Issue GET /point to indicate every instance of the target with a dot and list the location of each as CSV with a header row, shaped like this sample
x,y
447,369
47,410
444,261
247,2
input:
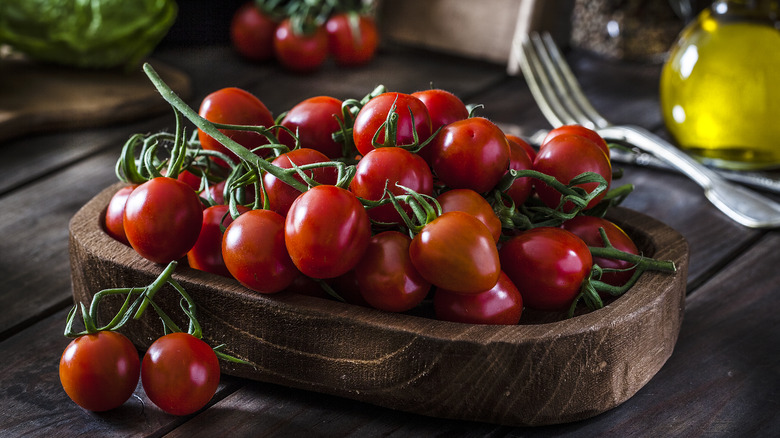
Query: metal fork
x,y
562,102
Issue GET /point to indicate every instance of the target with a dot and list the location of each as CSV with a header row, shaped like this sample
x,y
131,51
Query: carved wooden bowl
x,y
534,373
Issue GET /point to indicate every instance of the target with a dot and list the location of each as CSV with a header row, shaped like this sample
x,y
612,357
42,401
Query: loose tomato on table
x,y
386,276
326,231
234,106
300,50
352,38
314,120
456,251
386,167
115,214
99,371
548,265
280,194
206,254
374,114
252,32
162,219
470,154
501,304
471,202
180,373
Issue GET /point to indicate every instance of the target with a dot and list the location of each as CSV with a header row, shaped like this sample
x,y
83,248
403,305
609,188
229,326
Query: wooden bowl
x,y
534,373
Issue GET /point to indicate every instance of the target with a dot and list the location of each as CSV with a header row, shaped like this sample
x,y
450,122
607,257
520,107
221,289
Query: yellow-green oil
x,y
720,91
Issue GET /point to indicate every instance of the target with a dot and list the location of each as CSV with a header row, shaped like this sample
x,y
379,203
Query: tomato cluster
x,y
301,35
389,201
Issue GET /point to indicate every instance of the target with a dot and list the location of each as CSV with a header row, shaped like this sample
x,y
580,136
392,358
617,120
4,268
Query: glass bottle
x,y
720,86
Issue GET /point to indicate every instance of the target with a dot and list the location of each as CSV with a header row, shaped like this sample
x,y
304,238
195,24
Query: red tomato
x,y
578,130
587,229
502,304
300,52
388,166
315,120
352,38
326,231
180,373
471,202
281,195
115,214
100,371
234,106
190,179
374,114
252,33
548,266
255,253
443,107
519,159
346,286
470,154
565,157
456,252
524,144
162,219
206,255
386,277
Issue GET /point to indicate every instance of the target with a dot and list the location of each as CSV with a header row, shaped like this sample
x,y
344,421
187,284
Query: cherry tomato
x,y
581,131
386,277
388,166
234,106
115,214
470,154
252,33
565,157
180,373
190,179
300,52
456,251
471,202
206,254
352,38
255,253
548,266
374,114
162,219
100,371
443,107
326,231
524,144
346,286
587,229
502,304
315,120
280,195
519,159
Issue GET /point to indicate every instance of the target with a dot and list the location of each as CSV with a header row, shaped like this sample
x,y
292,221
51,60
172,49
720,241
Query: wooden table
x,y
722,379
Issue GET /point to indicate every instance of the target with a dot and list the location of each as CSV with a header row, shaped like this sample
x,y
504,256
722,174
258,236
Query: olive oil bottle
x,y
720,86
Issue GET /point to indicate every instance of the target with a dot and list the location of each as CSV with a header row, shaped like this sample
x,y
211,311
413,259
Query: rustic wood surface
x,y
721,380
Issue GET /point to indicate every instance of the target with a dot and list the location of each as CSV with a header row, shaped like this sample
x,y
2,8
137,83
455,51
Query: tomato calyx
x,y
390,130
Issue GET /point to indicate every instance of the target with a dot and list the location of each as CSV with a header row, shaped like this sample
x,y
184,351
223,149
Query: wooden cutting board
x,y
38,97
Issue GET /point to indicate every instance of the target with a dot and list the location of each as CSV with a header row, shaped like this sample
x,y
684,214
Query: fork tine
x,y
575,96
538,82
556,87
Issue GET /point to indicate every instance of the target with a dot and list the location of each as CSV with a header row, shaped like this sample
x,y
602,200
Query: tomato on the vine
x,y
234,106
501,304
326,231
115,214
471,202
352,38
99,371
386,277
280,194
300,51
180,373
523,144
162,219
587,229
548,265
252,32
386,167
565,157
314,120
206,254
456,251
519,159
374,114
582,132
470,154
443,107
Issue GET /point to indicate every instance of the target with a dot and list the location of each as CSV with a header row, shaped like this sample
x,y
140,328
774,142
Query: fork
x,y
562,102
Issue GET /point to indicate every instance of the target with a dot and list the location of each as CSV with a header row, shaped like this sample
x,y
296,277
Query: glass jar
x,y
720,86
